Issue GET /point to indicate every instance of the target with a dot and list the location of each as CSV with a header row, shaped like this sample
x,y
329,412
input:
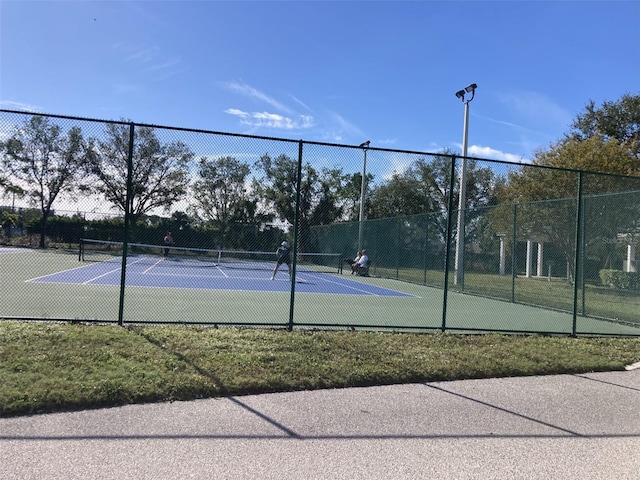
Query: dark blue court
x,y
164,273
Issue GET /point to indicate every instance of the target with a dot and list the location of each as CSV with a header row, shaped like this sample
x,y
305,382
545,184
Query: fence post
x,y
577,253
127,221
400,243
447,249
296,235
514,263
426,247
583,239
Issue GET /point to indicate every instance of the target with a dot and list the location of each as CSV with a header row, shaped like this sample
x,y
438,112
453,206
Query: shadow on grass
x,y
222,390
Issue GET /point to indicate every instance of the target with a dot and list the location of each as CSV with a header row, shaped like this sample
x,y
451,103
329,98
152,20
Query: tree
x,y
619,120
220,192
159,171
8,221
350,195
333,197
401,195
180,221
279,189
425,188
42,163
548,196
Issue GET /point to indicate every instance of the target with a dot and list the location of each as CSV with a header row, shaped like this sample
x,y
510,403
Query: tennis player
x,y
168,241
283,255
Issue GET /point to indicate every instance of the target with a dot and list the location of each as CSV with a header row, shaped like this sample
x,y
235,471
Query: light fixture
x,y
468,89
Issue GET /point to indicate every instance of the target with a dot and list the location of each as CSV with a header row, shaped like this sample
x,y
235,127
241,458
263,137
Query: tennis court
x,y
53,284
205,272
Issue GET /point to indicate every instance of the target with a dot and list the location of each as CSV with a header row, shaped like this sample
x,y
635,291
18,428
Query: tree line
x,y
42,162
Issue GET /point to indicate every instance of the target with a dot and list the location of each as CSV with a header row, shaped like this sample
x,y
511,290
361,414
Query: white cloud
x,y
236,112
168,65
272,120
493,154
520,128
301,103
151,59
537,107
248,91
334,126
24,107
345,126
141,54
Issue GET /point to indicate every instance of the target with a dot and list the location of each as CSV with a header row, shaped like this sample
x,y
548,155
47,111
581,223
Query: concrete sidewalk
x,y
564,427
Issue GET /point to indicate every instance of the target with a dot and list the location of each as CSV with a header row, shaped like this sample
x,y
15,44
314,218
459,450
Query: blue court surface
x,y
168,273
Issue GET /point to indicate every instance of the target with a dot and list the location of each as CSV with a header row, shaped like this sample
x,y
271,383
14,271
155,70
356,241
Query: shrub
x,y
620,280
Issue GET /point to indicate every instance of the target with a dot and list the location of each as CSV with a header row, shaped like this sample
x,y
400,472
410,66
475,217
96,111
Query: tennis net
x,y
189,257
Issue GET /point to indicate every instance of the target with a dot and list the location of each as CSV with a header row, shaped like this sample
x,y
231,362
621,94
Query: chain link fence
x,y
87,205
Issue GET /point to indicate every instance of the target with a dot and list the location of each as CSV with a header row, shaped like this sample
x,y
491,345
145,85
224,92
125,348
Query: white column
x,y
631,257
529,258
503,256
540,259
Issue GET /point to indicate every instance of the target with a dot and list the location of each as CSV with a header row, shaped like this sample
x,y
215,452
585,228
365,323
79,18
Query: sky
x,y
328,71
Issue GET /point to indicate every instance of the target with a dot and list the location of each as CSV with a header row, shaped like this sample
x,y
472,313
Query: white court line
x,y
214,277
299,279
100,276
146,271
267,277
222,271
107,273
351,288
345,286
189,275
360,290
64,271
152,266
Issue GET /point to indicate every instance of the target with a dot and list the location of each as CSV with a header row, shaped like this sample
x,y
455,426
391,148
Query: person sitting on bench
x,y
354,262
362,265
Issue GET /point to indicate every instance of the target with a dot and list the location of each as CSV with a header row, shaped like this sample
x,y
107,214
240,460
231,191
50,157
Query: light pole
x,y
363,189
462,200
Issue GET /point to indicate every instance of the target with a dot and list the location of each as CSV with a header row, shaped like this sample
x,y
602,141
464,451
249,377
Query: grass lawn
x,y
49,366
554,293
